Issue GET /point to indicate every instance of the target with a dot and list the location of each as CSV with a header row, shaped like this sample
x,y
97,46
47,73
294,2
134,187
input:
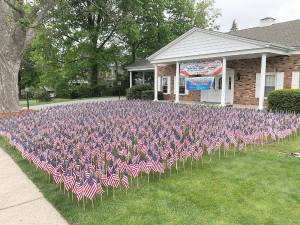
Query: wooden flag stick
x,y
202,161
77,202
107,190
148,178
83,203
137,182
92,203
113,193
219,153
72,196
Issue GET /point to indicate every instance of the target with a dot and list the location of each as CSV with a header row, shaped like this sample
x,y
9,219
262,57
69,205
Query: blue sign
x,y
199,83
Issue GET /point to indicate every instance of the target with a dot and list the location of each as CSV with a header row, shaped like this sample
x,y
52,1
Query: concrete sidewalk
x,y
103,99
21,203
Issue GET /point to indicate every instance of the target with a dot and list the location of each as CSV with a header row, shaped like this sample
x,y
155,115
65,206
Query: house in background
x,y
141,72
254,62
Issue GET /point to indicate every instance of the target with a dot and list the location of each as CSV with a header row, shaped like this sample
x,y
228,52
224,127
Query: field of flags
x,y
90,148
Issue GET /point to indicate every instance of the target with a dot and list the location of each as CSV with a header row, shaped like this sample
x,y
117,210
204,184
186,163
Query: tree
x,y
234,26
18,21
151,24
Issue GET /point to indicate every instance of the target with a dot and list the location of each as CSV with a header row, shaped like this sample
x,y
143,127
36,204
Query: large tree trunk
x,y
12,39
9,83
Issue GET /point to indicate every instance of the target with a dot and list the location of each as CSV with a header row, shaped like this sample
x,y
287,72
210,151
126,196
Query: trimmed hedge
x,y
287,100
136,91
144,92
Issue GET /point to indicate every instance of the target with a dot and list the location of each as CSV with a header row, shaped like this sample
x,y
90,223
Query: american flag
x,y
95,145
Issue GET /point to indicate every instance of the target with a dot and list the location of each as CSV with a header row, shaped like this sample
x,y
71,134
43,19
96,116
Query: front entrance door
x,y
214,95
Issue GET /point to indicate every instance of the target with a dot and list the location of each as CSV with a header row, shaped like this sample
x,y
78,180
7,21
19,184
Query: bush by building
x,y
287,100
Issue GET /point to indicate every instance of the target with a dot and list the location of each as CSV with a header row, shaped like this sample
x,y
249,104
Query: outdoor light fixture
x,y
27,90
119,88
238,76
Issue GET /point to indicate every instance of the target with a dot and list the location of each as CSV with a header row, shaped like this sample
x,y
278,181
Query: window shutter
x,y
159,83
257,85
279,80
169,85
295,80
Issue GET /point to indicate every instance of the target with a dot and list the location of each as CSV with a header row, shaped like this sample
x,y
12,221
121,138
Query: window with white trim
x,y
182,90
270,84
165,85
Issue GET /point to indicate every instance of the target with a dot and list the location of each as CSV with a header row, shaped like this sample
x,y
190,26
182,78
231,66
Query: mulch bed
x,y
14,114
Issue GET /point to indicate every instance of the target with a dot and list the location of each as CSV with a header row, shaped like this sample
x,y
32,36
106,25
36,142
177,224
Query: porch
x,y
231,51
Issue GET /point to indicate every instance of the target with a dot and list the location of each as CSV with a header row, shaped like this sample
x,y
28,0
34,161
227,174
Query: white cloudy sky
x,y
248,12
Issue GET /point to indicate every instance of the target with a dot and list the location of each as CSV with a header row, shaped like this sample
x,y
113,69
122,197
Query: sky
x,y
248,12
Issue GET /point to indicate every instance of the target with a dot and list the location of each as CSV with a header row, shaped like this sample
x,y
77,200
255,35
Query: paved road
x,y
21,203
37,107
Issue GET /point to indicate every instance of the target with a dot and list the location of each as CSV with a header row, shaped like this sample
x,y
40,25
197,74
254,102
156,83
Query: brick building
x,y
255,61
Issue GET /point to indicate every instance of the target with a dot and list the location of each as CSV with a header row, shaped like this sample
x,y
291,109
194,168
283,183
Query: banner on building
x,y
199,83
212,68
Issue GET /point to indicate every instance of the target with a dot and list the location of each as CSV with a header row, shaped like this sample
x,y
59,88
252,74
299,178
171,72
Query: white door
x,y
214,95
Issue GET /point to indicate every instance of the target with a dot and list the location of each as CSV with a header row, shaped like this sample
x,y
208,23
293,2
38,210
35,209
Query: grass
x,y
261,186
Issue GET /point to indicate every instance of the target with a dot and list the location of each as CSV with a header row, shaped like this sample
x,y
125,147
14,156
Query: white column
x,y
143,77
262,82
223,94
177,80
130,79
155,83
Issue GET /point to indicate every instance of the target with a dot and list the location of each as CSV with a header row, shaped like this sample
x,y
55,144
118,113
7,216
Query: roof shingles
x,y
286,33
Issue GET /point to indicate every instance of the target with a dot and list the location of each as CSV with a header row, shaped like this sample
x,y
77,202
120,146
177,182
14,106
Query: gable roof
x,y
140,64
285,33
201,43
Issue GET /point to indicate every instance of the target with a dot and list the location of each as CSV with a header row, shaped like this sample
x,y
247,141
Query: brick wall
x,y
170,70
244,89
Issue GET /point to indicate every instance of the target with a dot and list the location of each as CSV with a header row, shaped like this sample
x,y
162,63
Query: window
x,y
270,84
220,83
229,83
182,85
165,85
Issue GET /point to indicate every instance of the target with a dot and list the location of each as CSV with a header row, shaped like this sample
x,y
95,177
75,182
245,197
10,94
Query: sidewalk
x,y
37,107
21,203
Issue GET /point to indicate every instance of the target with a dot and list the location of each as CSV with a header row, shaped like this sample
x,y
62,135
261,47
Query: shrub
x,y
147,95
42,95
287,100
136,91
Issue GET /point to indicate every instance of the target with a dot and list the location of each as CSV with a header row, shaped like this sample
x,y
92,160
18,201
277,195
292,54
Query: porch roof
x,y
140,65
203,44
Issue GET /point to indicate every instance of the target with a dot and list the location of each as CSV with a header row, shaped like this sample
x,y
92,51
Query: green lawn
x,y
33,102
261,186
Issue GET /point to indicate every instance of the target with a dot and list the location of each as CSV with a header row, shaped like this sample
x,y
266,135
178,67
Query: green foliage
x,y
136,91
149,95
41,95
96,34
287,100
234,26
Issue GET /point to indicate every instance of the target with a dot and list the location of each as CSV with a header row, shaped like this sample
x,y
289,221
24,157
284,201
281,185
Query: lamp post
x,y
27,89
119,88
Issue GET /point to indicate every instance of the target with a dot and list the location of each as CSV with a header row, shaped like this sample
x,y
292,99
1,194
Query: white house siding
x,y
200,43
